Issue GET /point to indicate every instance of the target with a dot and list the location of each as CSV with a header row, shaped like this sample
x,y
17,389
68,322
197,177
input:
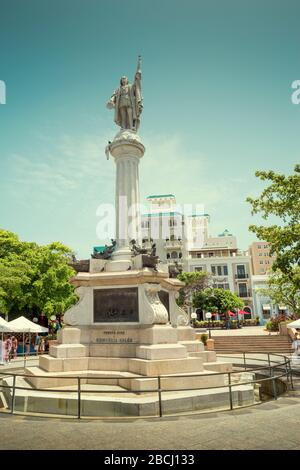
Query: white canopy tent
x,y
23,325
294,324
5,326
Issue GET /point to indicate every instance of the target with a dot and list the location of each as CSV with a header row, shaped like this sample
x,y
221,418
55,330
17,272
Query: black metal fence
x,y
270,368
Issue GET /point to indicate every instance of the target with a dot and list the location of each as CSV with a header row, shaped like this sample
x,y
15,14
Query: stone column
x,y
127,150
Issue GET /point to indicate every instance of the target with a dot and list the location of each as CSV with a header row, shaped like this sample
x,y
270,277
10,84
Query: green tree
x,y
284,289
217,300
14,280
194,282
280,199
34,278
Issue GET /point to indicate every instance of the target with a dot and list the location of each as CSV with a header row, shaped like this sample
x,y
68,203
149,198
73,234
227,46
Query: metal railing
x,y
271,371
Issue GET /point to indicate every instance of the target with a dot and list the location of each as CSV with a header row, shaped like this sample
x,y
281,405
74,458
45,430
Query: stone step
x,y
161,367
191,381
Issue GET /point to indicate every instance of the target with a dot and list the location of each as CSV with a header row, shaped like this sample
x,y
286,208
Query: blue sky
x,y
217,106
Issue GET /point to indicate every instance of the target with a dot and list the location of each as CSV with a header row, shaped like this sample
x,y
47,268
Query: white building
x,y
186,240
163,225
230,267
262,305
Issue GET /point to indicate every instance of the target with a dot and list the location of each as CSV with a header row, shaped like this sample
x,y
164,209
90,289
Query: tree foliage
x,y
34,278
194,282
284,289
280,199
216,300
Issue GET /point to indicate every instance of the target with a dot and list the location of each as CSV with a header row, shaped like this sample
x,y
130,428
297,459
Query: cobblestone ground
x,y
271,425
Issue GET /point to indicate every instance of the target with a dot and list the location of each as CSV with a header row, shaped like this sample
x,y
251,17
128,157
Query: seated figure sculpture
x,y
107,252
149,260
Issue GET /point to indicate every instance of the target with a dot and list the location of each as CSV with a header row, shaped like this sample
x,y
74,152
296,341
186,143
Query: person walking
x,y
37,344
27,346
296,347
42,346
7,348
1,350
14,347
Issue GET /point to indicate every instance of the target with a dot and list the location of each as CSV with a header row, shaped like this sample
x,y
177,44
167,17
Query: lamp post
x,y
208,317
193,318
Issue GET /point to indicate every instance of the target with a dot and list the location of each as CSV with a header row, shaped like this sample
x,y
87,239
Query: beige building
x,y
261,261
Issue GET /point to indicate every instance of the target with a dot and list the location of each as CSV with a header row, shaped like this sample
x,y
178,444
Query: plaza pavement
x,y
271,425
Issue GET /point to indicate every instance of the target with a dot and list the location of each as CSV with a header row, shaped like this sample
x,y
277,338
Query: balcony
x,y
172,261
241,276
173,245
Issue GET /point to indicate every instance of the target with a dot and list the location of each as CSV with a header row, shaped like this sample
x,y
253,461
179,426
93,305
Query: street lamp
x,y
208,317
194,317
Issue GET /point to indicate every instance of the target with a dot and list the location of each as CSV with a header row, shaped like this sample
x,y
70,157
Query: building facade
x,y
185,241
261,260
229,266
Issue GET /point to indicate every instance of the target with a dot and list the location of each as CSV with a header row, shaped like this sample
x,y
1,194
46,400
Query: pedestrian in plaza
x,y
1,350
7,348
37,343
27,345
46,345
296,353
42,346
296,344
14,347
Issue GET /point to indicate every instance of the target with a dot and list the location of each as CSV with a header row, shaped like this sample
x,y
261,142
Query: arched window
x,y
248,316
174,255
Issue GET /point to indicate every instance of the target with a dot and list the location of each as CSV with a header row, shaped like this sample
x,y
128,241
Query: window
x,y
261,262
219,270
243,290
145,224
172,223
259,254
259,247
223,286
198,268
240,269
174,255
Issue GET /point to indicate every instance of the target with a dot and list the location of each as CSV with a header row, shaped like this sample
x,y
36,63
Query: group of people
x,y
9,346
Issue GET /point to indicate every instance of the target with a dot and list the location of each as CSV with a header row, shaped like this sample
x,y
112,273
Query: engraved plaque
x,y
116,305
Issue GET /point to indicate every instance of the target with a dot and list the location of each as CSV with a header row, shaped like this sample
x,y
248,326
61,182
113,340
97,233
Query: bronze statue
x,y
107,252
149,259
136,249
175,270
